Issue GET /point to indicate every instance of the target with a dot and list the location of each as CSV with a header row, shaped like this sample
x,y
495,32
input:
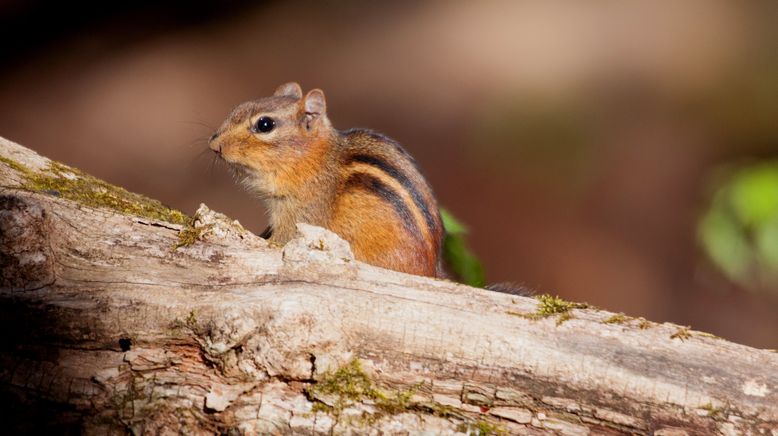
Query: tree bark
x,y
119,315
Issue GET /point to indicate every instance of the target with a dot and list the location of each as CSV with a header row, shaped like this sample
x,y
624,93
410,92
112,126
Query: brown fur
x,y
359,184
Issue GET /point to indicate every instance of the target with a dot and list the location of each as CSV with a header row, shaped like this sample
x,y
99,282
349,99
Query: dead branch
x,y
122,315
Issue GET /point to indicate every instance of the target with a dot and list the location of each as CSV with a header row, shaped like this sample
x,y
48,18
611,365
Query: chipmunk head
x,y
278,141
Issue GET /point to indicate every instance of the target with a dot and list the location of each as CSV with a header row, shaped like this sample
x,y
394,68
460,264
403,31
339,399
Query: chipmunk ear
x,y
315,107
315,104
291,89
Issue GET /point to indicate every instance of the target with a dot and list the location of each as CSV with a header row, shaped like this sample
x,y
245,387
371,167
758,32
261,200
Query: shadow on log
x,y
120,315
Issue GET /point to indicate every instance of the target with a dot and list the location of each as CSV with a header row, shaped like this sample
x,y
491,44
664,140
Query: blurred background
x,y
619,153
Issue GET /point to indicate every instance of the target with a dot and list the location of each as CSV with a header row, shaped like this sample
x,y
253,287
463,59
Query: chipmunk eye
x,y
265,124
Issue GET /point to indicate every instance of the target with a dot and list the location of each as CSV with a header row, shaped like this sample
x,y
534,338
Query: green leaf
x,y
766,239
740,230
460,260
726,244
755,194
452,225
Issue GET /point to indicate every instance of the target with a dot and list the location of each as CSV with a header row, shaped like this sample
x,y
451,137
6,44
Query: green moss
x,y
189,234
72,184
15,165
683,333
644,323
349,385
480,428
321,407
549,306
191,319
395,402
563,317
618,318
345,387
441,411
713,411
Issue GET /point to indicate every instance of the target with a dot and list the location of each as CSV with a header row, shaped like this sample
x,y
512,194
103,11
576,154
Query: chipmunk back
x,y
360,184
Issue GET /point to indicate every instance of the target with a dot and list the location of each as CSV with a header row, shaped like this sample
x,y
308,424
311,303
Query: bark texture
x,y
119,315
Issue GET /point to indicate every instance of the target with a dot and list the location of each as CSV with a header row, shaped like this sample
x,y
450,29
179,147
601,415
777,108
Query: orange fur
x,y
376,239
362,168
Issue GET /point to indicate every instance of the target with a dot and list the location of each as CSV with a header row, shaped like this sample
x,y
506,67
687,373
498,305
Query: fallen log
x,y
121,315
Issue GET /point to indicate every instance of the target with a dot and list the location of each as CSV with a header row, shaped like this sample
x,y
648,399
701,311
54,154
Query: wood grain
x,y
109,329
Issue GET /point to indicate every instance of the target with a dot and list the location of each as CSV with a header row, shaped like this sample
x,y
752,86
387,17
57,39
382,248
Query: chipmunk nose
x,y
213,144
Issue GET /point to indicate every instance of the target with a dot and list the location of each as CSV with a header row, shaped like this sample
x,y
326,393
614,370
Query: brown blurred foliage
x,y
577,140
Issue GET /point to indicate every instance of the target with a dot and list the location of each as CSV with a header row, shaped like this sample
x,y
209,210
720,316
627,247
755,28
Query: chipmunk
x,y
357,183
